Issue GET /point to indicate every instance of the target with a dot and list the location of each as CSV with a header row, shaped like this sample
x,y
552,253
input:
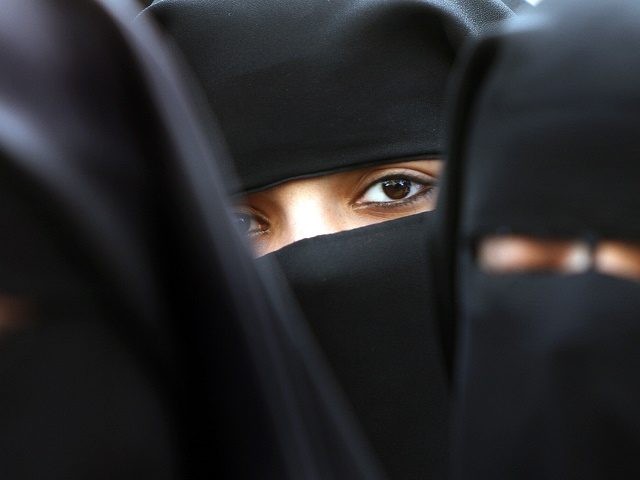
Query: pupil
x,y
396,189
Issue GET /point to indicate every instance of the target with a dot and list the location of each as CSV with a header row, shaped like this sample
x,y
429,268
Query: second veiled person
x,y
542,209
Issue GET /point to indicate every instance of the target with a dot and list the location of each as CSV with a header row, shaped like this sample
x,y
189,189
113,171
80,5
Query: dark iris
x,y
243,220
396,189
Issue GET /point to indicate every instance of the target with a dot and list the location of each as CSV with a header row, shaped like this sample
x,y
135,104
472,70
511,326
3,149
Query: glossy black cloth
x,y
545,144
367,295
307,87
152,347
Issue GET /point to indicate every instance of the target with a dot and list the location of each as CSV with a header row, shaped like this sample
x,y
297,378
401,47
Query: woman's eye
x,y
247,223
392,189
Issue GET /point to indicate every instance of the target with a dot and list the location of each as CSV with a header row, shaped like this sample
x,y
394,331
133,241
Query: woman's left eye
x,y
392,190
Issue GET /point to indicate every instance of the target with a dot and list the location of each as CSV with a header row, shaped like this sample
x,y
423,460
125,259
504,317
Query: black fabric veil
x,y
153,347
545,144
367,296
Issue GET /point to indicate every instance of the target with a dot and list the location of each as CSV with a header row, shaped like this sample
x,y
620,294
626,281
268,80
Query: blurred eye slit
x,y
502,254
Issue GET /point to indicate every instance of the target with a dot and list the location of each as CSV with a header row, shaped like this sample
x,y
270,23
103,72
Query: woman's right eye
x,y
248,223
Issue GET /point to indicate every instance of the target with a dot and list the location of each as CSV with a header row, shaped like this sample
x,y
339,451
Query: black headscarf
x,y
545,143
307,87
152,347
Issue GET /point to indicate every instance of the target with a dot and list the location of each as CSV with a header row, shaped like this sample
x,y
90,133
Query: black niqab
x,y
367,295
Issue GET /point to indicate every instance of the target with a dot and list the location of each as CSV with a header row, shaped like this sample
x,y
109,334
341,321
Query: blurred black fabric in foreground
x,y
139,341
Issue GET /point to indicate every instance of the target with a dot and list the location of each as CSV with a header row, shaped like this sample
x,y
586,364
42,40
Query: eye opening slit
x,y
520,253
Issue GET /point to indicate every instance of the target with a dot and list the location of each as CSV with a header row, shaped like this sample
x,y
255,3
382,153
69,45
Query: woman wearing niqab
x,y
137,338
306,89
541,213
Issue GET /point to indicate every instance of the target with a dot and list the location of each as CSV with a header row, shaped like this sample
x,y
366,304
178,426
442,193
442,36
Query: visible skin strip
x,y
298,209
